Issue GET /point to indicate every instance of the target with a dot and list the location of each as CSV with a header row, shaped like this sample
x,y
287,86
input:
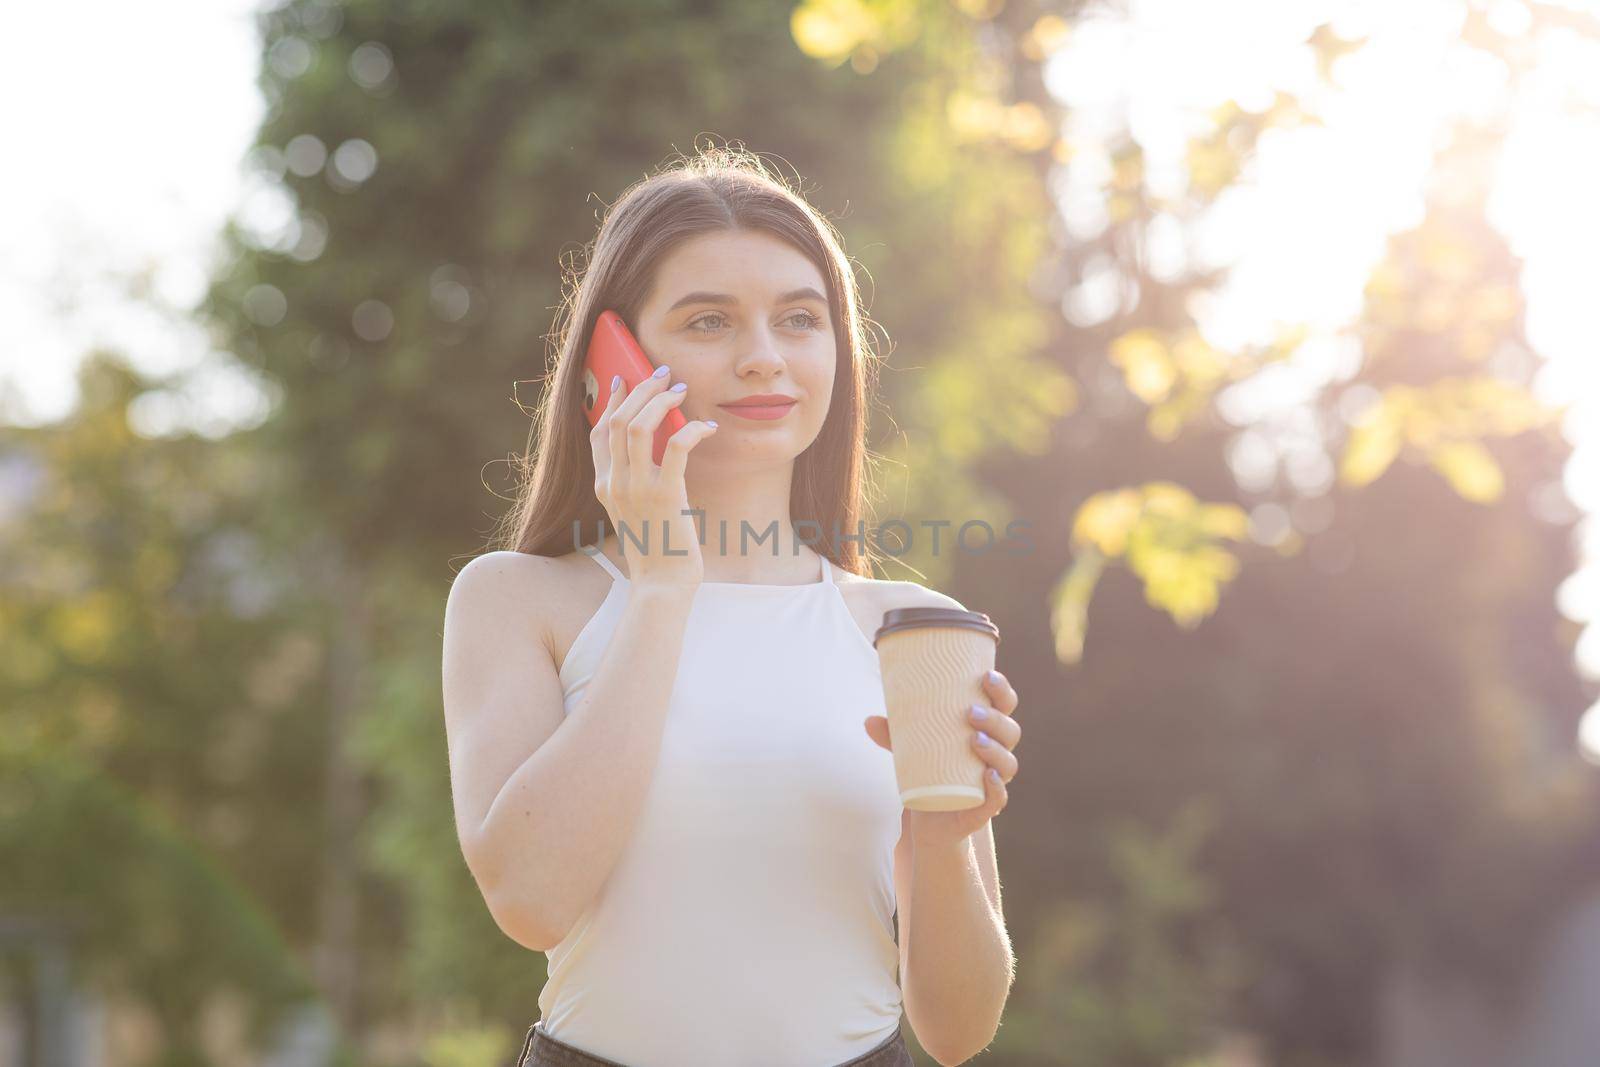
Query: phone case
x,y
613,351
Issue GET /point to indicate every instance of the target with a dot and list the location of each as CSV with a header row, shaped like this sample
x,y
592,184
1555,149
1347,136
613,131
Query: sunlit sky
x,y
135,119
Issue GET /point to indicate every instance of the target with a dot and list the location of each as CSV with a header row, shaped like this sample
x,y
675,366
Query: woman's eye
x,y
713,321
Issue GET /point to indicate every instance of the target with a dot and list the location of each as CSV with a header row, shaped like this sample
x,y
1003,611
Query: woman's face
x,y
738,313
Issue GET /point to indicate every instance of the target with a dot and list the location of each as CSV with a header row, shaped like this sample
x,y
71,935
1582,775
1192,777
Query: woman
x,y
656,749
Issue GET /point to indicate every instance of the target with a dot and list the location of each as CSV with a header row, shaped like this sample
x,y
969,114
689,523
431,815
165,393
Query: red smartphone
x,y
613,351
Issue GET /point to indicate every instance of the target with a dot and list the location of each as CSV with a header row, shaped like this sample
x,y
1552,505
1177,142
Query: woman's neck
x,y
746,531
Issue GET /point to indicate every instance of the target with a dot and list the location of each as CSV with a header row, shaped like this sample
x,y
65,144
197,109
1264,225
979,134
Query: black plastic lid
x,y
916,618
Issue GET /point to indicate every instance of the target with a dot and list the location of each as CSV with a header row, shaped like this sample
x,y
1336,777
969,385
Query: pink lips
x,y
761,412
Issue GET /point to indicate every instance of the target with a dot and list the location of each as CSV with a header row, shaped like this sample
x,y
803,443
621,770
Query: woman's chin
x,y
761,448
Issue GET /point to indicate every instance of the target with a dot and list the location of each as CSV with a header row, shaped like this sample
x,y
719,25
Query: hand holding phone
x,y
655,509
613,351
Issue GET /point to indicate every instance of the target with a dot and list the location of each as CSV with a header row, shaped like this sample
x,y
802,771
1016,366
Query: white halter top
x,y
750,919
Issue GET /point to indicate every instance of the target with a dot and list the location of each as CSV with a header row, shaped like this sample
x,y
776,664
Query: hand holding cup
x,y
993,737
949,722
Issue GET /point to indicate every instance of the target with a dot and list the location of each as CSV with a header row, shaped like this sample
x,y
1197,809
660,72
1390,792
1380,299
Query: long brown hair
x,y
720,188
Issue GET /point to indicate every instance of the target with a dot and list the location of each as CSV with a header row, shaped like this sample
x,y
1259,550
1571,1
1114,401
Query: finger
x,y
641,394
617,438
877,727
600,434
994,799
995,792
642,433
995,755
999,687
1003,728
641,430
675,458
637,397
614,398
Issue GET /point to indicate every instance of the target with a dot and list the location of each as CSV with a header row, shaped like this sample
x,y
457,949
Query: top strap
x,y
827,569
594,552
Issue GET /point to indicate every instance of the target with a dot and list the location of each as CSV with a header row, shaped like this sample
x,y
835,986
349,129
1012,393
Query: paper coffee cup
x,y
933,661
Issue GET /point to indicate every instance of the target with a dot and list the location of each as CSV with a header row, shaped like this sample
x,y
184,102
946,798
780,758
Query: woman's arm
x,y
959,965
544,801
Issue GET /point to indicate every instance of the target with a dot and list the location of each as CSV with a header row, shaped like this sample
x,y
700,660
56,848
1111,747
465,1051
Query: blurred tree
x,y
1387,711
152,728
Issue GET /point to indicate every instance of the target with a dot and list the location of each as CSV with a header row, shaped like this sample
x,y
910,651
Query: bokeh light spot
x,y
290,57
265,305
305,154
372,320
354,161
371,65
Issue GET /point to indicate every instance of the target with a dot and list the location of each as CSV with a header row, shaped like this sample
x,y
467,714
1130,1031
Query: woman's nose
x,y
761,353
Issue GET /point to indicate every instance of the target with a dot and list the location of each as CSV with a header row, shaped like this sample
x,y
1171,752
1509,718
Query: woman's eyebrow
x,y
728,300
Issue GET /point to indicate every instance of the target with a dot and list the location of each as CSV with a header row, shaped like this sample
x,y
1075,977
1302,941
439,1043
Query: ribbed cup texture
x,y
931,677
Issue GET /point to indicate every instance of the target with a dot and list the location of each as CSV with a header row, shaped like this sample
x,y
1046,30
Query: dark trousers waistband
x,y
539,1049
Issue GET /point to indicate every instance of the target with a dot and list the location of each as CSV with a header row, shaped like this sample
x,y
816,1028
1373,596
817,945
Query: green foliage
x,y
1170,541
1142,977
455,956
153,733
141,904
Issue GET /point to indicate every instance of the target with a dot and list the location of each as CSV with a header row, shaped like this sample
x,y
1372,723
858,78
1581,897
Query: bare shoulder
x,y
912,595
887,594
505,591
502,565
548,597
869,598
